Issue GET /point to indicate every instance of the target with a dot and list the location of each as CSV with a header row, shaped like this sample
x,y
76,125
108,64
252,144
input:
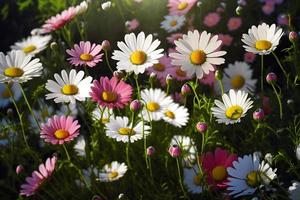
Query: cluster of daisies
x,y
195,56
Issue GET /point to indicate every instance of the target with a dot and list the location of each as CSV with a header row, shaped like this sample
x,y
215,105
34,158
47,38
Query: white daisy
x,y
16,66
69,88
263,39
5,95
233,108
238,76
112,172
294,191
156,101
137,53
196,54
247,174
121,130
176,115
188,148
172,22
192,179
103,115
80,146
33,44
82,7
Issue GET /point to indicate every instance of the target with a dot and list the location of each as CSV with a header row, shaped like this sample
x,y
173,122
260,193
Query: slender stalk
x,y
137,86
221,86
279,100
262,73
180,178
280,65
128,143
29,107
195,93
68,156
150,169
145,141
107,61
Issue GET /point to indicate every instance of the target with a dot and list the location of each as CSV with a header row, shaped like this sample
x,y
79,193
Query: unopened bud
x,y
201,127
271,77
105,45
150,151
174,151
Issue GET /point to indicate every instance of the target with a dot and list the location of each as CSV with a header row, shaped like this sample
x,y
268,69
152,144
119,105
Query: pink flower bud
x,y
201,127
150,151
174,151
118,74
259,114
19,169
293,36
105,45
271,77
169,78
185,90
135,105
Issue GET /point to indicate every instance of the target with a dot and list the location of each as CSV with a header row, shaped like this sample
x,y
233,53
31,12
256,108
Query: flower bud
x,y
259,114
201,127
271,77
174,151
218,75
239,10
185,90
150,151
105,45
19,169
106,5
152,75
135,105
293,36
169,78
53,45
268,158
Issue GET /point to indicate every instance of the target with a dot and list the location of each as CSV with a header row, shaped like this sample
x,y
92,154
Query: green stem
x,y
68,156
180,178
120,11
107,61
128,143
29,107
262,74
279,100
221,86
137,86
280,65
150,170
195,93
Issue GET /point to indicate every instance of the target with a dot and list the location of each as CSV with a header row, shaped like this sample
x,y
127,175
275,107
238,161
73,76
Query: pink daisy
x,y
211,19
111,93
178,74
132,25
209,79
60,129
59,20
226,39
215,165
249,57
162,68
173,37
38,177
180,7
85,54
234,23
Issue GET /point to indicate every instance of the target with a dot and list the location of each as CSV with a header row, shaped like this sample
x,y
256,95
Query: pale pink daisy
x,y
226,39
173,37
60,129
180,7
59,20
85,54
111,93
268,8
211,19
179,74
38,177
249,57
132,25
162,68
234,23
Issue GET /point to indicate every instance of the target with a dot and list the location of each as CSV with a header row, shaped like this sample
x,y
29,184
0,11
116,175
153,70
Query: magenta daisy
x,y
38,177
180,7
60,129
59,20
162,68
85,54
111,93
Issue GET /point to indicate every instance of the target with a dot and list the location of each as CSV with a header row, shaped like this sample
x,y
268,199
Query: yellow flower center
x,y
253,179
198,57
170,114
86,57
109,97
69,89
126,131
13,72
263,45
219,173
237,82
234,112
173,23
180,73
152,106
29,49
138,57
197,179
182,5
159,67
112,175
61,134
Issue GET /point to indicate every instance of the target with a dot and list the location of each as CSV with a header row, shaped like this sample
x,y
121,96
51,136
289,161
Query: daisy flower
x,y
82,7
233,108
188,148
248,174
111,93
80,146
155,101
239,77
137,53
69,88
60,129
180,7
215,165
59,20
112,172
294,190
263,39
196,54
179,74
16,66
192,179
38,177
5,95
162,68
85,53
172,23
173,37
122,130
103,115
33,44
176,115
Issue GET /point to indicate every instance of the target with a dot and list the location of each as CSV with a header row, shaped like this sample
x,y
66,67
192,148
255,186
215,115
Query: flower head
x,y
112,172
180,7
172,23
33,44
